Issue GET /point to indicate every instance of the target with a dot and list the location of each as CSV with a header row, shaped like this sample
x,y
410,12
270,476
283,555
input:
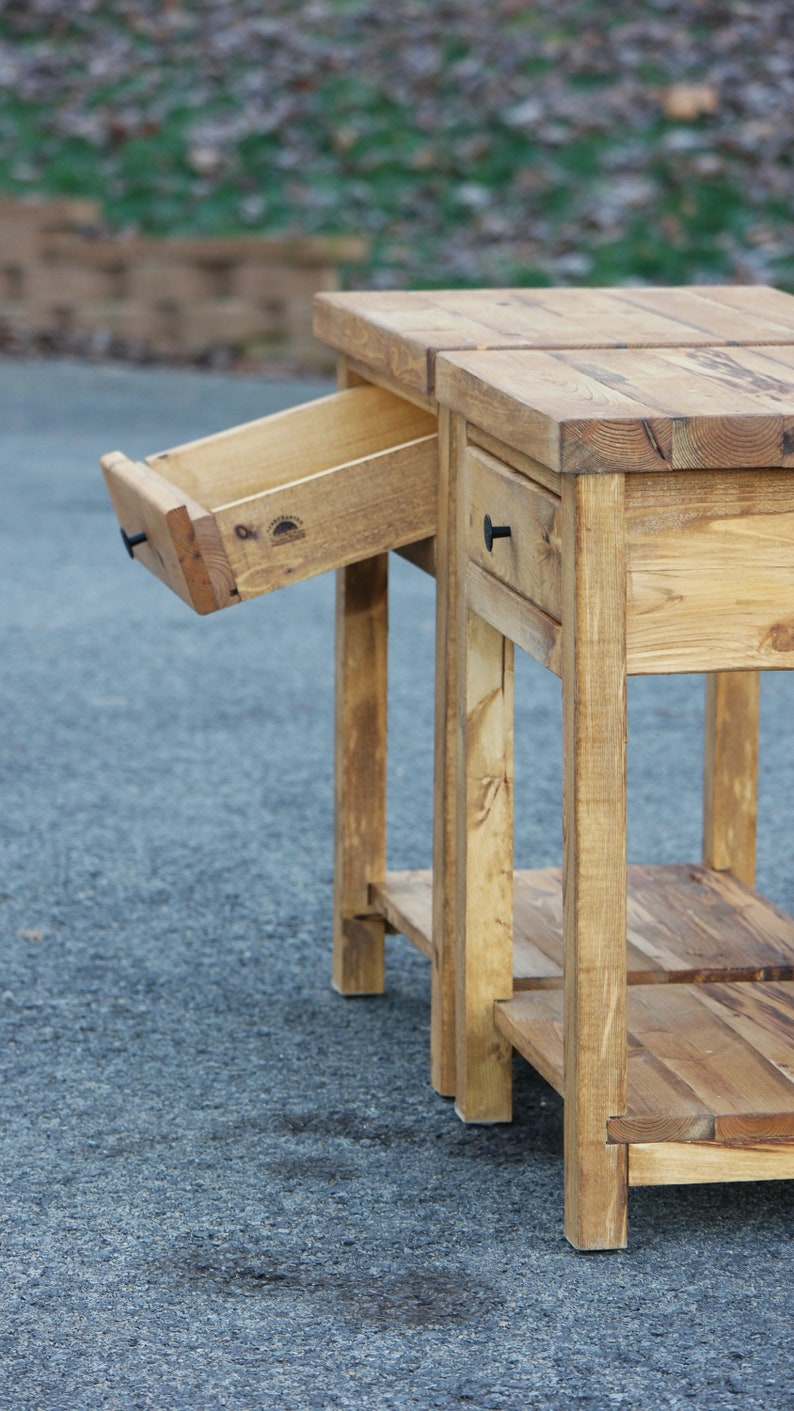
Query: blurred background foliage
x,y
562,141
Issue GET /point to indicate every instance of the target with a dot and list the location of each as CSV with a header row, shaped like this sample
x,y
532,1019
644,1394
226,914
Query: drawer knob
x,y
131,541
494,531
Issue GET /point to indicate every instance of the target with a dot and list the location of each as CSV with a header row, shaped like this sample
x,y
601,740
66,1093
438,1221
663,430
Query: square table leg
x,y
484,907
360,774
451,440
730,779
594,857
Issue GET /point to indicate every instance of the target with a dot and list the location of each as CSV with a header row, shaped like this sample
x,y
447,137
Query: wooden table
x,y
381,466
649,501
396,341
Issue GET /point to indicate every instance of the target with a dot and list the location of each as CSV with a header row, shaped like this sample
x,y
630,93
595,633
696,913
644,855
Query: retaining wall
x,y
166,297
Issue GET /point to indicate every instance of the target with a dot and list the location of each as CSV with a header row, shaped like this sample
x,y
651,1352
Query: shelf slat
x,y
686,924
707,1063
406,901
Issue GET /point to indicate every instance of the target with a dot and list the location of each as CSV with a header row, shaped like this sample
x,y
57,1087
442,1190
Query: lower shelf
x,y
687,924
706,1063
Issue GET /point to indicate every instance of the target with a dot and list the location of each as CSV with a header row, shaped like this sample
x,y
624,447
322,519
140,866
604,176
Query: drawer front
x,y
529,560
178,541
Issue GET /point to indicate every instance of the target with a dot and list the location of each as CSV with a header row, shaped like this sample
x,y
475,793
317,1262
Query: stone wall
x,y
169,297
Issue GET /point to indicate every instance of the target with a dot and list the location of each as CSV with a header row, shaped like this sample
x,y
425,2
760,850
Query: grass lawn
x,y
515,143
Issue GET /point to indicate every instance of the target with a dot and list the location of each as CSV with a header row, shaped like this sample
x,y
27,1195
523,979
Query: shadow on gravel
x,y
411,1297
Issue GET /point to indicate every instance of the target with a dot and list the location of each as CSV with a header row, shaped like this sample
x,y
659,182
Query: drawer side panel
x,y
329,520
710,561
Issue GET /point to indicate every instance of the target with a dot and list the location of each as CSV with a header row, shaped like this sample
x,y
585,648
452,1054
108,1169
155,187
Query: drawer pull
x,y
131,541
494,531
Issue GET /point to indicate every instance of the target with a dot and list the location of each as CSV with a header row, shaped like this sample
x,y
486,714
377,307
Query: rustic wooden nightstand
x,y
646,506
337,484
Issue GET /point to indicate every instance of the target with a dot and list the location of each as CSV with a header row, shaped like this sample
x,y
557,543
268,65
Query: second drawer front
x,y
529,560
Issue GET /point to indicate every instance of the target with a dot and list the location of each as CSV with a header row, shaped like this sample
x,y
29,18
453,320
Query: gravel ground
x,y
225,1185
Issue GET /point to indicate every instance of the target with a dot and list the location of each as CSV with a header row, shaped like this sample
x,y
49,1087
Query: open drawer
x,y
280,499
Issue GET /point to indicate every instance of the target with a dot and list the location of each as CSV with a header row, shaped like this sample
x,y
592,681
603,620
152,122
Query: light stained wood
x,y
376,377
525,465
761,1015
725,1047
526,625
594,852
401,333
360,773
484,872
422,554
529,559
706,1063
331,519
710,571
406,901
694,1163
276,450
730,783
183,547
661,409
554,413
686,925
323,485
445,755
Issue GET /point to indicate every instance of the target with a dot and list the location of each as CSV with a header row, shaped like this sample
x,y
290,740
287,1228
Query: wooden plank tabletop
x,y
656,409
400,333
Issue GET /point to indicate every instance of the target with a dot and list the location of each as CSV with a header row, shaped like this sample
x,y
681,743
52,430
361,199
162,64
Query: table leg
x,y
360,774
484,906
594,857
451,438
730,781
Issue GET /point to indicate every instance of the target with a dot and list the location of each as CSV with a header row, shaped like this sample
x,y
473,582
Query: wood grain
x,y
692,1163
656,410
360,742
594,852
730,776
445,756
484,872
553,412
333,518
405,899
706,1063
526,625
374,376
686,925
183,547
524,465
710,572
529,560
421,554
292,445
401,333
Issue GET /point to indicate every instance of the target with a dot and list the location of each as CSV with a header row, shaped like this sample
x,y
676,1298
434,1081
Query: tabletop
x,y
631,409
401,333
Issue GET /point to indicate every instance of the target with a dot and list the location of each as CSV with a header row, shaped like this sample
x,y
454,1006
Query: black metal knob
x,y
494,531
131,541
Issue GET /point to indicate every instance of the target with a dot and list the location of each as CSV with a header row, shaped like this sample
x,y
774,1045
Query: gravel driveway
x,y
225,1185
